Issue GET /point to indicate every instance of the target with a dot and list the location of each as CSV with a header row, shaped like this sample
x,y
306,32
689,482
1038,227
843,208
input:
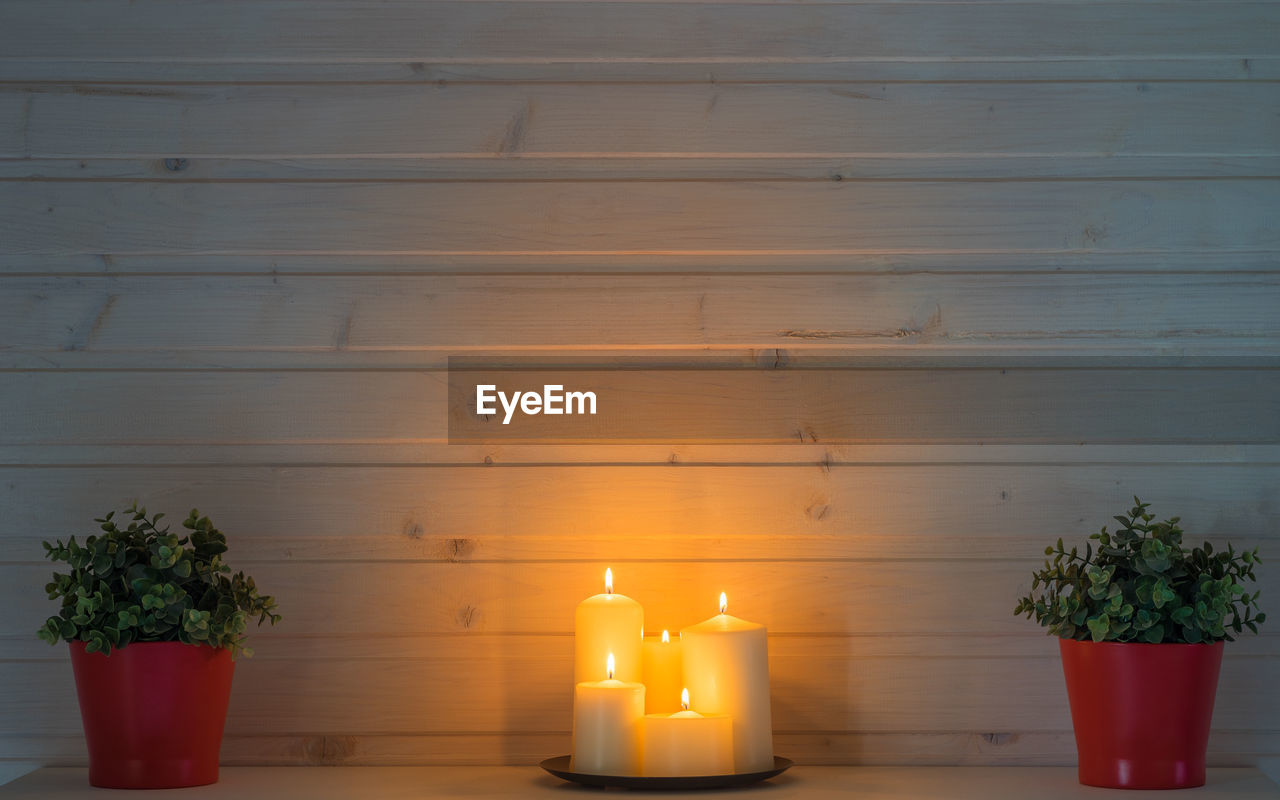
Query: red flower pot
x,y
153,713
1141,712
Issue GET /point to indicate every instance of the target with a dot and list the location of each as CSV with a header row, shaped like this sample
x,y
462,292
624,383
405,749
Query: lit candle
x,y
607,719
726,666
662,674
687,743
608,623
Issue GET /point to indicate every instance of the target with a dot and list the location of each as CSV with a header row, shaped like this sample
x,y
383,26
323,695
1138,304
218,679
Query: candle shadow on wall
x,y
532,690
536,704
806,698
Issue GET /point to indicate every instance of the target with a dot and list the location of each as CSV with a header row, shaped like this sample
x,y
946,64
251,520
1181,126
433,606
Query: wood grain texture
x,y
428,318
545,218
70,31
720,71
698,263
971,748
541,167
519,684
624,514
440,454
278,645
1080,122
831,597
1147,352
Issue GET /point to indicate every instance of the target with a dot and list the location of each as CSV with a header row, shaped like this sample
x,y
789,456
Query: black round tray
x,y
559,766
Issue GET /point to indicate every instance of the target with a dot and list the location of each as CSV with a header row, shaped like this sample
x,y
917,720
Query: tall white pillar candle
x,y
608,623
607,732
726,667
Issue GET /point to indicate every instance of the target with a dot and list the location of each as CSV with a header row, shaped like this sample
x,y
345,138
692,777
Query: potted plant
x,y
1141,624
153,621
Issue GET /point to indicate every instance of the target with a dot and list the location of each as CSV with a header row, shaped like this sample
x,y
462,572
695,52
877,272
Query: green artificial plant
x,y
141,583
1142,585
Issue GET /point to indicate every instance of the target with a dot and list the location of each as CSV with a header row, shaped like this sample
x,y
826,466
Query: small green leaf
x,y
1099,627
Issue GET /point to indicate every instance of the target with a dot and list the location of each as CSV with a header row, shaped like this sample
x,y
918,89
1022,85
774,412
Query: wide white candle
x,y
687,743
663,674
608,623
726,667
607,719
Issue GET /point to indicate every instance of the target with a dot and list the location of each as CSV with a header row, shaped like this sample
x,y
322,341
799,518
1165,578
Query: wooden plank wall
x,y
239,238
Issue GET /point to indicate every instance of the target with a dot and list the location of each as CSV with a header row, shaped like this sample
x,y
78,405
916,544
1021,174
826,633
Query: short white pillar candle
x,y
687,743
607,718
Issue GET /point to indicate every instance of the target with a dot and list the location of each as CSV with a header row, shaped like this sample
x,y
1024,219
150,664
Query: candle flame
x,y
684,699
666,637
608,670
724,603
608,581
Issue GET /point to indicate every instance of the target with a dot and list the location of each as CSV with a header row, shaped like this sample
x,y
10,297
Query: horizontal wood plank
x,y
881,747
590,217
825,456
277,644
608,127
523,685
640,167
73,31
720,513
427,318
700,263
1226,748
378,598
720,71
1149,352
